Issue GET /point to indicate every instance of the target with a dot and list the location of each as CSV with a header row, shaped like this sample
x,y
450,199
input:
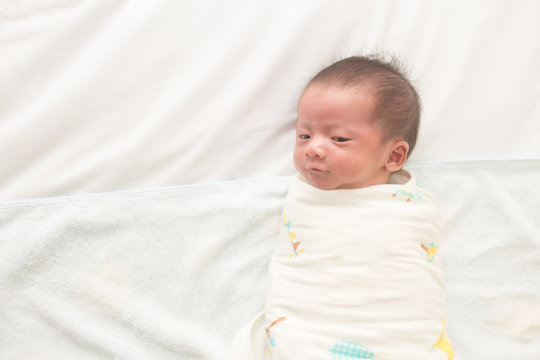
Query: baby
x,y
357,121
355,273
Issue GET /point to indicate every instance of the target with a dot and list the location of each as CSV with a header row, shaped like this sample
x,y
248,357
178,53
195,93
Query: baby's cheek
x,y
345,166
297,156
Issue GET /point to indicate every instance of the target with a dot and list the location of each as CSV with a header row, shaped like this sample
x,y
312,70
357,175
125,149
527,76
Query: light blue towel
x,y
157,274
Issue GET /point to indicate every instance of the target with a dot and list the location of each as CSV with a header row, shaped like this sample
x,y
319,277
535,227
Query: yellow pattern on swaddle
x,y
443,343
292,236
431,250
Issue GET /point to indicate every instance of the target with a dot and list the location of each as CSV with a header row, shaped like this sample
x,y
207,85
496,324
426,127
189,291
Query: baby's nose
x,y
316,148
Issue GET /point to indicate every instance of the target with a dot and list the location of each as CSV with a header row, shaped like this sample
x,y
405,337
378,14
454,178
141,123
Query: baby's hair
x,y
397,108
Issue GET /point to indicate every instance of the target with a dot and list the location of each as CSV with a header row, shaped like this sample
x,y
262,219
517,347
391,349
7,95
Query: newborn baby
x,y
355,273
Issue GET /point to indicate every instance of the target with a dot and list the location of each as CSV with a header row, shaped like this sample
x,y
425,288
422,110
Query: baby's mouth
x,y
315,169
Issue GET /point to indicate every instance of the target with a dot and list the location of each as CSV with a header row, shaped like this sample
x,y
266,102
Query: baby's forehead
x,y
355,93
318,96
356,87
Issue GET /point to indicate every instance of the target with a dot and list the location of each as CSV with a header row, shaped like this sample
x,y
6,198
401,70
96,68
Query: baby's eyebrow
x,y
338,126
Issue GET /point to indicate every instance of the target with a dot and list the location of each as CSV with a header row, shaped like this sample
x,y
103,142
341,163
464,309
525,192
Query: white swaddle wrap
x,y
355,275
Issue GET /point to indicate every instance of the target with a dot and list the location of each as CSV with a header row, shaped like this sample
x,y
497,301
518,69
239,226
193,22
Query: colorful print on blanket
x,y
349,350
443,343
407,195
270,339
431,250
292,236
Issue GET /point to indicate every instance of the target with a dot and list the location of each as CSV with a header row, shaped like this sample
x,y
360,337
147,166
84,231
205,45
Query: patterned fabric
x,y
356,275
348,350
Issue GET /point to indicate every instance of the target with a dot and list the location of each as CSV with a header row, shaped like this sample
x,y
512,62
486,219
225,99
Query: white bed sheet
x,y
114,95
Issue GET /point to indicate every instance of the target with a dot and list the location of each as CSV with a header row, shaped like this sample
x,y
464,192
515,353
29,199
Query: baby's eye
x,y
303,136
340,139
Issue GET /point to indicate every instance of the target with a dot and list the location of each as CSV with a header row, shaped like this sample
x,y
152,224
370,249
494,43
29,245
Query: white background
x,y
114,95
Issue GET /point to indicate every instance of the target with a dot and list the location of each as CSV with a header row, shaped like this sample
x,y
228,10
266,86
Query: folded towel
x,y
159,274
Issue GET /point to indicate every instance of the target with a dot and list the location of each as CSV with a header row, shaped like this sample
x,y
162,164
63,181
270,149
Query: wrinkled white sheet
x,y
122,94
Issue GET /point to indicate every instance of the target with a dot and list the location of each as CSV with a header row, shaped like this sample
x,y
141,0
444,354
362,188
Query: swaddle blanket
x,y
356,275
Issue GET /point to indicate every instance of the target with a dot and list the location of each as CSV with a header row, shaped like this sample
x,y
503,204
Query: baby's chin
x,y
324,186
320,180
327,181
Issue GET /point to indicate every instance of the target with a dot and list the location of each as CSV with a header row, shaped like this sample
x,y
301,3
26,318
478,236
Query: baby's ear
x,y
398,155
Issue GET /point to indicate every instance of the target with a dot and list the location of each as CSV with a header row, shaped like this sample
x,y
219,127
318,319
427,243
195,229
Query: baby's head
x,y
358,121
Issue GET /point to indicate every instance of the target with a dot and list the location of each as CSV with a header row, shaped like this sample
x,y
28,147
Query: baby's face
x,y
335,146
